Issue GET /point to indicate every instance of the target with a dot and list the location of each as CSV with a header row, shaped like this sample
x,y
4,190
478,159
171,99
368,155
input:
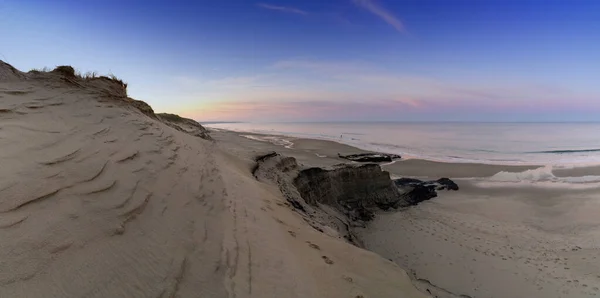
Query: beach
x,y
489,239
102,197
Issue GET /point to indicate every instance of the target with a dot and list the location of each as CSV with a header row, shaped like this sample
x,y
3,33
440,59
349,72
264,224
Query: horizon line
x,y
395,121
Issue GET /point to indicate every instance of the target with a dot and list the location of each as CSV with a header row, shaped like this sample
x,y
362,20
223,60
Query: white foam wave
x,y
540,177
273,140
539,174
542,184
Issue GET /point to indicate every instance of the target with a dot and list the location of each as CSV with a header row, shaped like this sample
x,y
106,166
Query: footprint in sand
x,y
312,245
327,260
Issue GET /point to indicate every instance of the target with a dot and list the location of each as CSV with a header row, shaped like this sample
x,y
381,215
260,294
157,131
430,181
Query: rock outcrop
x,y
343,196
281,171
416,191
370,157
350,187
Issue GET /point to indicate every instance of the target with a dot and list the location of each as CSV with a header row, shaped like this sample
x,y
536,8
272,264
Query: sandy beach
x,y
101,197
485,240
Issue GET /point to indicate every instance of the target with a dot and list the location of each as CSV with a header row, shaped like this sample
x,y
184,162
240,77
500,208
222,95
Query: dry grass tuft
x,y
171,117
89,75
116,79
40,70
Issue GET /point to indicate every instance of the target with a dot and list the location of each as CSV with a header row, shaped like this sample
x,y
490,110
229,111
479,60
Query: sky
x,y
318,60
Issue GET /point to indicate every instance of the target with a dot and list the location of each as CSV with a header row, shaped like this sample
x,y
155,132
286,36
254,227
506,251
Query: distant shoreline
x,y
407,122
491,144
423,167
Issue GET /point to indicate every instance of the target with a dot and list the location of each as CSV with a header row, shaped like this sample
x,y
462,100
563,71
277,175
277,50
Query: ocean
x,y
552,144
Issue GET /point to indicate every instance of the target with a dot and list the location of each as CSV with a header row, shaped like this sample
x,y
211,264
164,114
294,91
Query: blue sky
x,y
292,60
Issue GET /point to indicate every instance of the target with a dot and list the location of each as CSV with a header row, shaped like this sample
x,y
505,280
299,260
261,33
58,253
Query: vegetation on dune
x,y
171,117
70,72
116,89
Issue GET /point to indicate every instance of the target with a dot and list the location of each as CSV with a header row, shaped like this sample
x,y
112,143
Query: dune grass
x,y
171,117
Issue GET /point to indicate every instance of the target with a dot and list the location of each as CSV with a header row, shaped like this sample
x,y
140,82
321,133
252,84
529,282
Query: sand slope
x,y
97,199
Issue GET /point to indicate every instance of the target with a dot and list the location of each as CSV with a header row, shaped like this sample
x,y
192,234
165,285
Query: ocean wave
x,y
273,140
539,174
440,150
567,151
543,177
353,133
540,184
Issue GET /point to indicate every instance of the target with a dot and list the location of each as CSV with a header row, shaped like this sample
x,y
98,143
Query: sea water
x,y
489,143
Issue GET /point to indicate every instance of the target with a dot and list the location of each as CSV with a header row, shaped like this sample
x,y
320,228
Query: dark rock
x,y
344,196
297,205
408,181
447,184
362,214
265,156
415,191
370,157
349,187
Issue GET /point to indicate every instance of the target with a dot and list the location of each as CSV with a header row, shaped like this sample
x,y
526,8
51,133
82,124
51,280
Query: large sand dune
x,y
100,198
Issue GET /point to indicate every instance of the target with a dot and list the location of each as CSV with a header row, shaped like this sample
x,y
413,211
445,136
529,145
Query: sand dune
x,y
100,198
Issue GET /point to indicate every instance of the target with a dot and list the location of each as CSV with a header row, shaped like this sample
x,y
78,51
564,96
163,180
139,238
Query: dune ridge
x,y
101,197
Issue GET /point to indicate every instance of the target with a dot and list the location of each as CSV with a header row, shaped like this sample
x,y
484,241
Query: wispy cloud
x,y
304,89
322,66
282,8
381,12
300,109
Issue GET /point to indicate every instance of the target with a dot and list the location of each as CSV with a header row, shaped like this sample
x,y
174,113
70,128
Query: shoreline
x,y
541,240
416,167
116,198
406,156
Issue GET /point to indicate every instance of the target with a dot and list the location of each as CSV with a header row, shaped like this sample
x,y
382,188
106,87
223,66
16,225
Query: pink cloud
x,y
297,110
354,89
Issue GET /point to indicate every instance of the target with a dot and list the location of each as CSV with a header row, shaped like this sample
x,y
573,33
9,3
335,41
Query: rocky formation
x,y
335,220
350,187
416,191
343,196
184,124
370,157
